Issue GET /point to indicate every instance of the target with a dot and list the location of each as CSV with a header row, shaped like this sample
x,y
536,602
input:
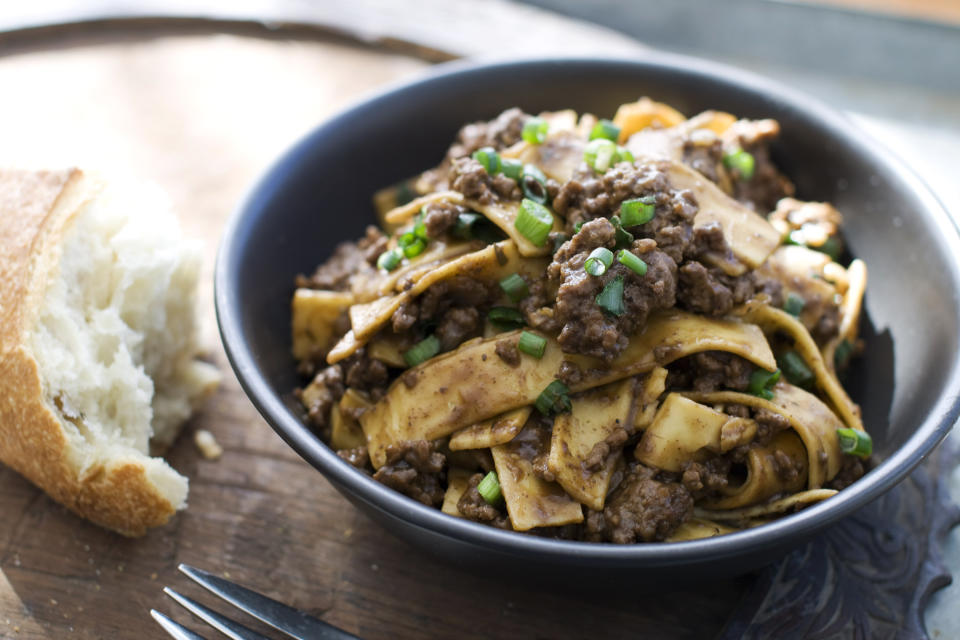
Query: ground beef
x,y
710,371
706,478
404,317
508,352
359,457
533,444
535,308
459,291
737,410
326,389
364,373
439,217
457,325
788,469
828,325
415,469
702,292
601,451
472,506
769,423
570,373
601,196
348,260
767,185
470,178
642,508
585,327
851,470
703,152
470,459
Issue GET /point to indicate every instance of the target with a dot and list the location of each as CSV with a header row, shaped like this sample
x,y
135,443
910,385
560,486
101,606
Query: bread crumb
x,y
207,444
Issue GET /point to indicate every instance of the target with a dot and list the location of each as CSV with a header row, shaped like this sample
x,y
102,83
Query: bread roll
x,y
98,344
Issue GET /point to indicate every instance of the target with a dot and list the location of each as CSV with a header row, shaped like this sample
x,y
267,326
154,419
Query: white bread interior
x,y
109,325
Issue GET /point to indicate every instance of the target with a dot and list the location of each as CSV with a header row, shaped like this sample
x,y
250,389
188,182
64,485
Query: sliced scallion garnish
x,y
740,161
611,298
422,351
463,226
489,159
600,154
535,130
622,237
512,168
605,129
795,370
489,488
638,211
389,259
632,262
624,154
855,442
420,227
534,221
598,261
762,379
534,184
506,317
515,287
532,344
415,248
794,304
831,247
553,399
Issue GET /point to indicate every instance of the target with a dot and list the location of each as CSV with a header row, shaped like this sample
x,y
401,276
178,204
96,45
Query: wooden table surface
x,y
203,114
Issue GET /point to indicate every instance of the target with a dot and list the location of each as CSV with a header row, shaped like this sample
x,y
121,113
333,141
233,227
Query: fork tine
x,y
226,626
175,629
292,622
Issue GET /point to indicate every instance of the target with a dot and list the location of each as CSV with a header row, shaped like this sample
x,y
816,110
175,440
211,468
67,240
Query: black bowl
x,y
318,193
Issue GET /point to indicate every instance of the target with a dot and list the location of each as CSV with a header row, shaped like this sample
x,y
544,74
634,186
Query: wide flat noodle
x,y
750,237
405,212
345,431
531,501
314,315
634,116
489,433
443,399
458,480
558,156
595,415
764,477
813,421
651,387
773,320
491,263
849,313
802,271
504,215
680,430
775,508
697,529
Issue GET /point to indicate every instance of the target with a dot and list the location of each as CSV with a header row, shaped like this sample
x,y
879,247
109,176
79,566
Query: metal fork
x,y
290,621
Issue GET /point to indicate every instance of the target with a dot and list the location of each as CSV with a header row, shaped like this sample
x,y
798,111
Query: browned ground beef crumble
x,y
415,468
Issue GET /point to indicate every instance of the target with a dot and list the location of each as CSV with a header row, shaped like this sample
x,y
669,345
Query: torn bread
x,y
98,344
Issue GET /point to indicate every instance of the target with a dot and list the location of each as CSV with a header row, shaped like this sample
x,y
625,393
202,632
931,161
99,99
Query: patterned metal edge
x,y
870,576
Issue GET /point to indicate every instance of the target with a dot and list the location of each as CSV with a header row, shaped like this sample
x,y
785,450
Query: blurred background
x,y
201,95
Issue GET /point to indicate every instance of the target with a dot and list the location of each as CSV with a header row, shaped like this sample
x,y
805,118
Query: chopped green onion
x,y
577,227
422,351
489,488
605,129
553,399
762,379
624,154
535,130
599,154
741,161
842,353
420,227
855,442
512,168
406,239
534,221
532,344
766,394
415,248
632,262
515,287
390,259
611,298
489,158
794,304
795,369
598,261
638,211
534,184
831,247
622,237
463,226
795,237
506,317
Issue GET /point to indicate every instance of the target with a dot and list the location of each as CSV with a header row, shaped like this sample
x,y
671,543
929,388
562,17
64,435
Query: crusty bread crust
x,y
36,209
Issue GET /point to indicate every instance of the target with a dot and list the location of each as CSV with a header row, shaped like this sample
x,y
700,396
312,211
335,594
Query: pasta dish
x,y
622,330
